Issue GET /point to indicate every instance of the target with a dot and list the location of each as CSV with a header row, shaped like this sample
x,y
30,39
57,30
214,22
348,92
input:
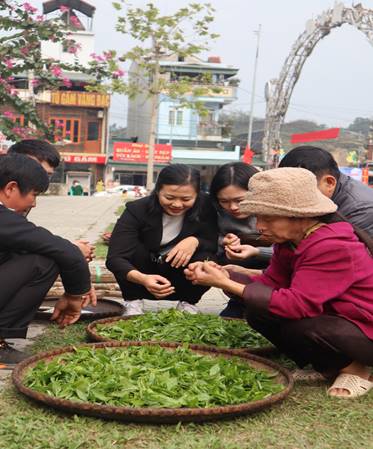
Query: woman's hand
x,y
243,270
207,273
231,239
158,286
241,252
182,252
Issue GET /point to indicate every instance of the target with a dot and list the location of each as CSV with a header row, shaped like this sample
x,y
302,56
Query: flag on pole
x,y
247,155
331,133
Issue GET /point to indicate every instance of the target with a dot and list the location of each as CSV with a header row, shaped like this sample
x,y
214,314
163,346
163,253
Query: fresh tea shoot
x,y
175,326
151,376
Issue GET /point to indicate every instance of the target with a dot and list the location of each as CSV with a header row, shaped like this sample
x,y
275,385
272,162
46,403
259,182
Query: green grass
x,y
101,247
308,419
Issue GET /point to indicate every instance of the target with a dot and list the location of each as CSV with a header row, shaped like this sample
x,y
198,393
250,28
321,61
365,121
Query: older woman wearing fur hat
x,y
315,300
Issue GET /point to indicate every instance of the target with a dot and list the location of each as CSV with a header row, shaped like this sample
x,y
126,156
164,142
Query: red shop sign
x,y
138,152
72,158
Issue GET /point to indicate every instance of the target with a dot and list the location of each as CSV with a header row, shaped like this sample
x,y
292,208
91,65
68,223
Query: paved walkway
x,y
87,217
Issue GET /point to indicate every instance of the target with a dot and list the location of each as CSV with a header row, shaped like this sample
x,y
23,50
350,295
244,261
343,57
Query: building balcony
x,y
212,132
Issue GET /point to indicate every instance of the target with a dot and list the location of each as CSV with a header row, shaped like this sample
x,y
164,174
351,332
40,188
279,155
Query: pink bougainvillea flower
x,y
118,73
108,55
66,82
23,133
75,21
9,63
25,50
35,83
29,8
56,71
73,48
9,114
64,8
39,18
97,58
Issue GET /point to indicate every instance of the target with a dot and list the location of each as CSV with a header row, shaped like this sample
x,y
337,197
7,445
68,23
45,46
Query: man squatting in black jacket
x,y
31,258
49,158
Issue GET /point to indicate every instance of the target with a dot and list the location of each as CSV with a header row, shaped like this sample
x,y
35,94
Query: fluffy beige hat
x,y
286,192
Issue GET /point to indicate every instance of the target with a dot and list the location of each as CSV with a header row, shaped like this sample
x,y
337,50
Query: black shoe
x,y
10,356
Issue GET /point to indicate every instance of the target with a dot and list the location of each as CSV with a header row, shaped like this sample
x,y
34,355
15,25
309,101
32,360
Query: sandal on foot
x,y
355,386
307,376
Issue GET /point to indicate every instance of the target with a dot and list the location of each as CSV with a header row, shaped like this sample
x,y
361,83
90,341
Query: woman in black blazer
x,y
157,236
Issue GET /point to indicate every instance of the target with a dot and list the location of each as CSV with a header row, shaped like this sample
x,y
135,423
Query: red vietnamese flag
x,y
325,134
247,155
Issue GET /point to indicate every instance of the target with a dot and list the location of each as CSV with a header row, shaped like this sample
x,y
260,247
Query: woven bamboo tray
x,y
151,414
95,336
105,308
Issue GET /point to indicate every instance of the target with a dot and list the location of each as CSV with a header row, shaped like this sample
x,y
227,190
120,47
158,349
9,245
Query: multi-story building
x,y
196,140
81,117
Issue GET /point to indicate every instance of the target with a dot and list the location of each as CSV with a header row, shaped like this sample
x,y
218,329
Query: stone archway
x,y
279,91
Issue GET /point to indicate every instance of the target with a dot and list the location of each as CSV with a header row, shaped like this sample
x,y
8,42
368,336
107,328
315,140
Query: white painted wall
x,y
84,38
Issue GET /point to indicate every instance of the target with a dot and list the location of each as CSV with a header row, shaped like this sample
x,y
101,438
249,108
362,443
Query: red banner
x,y
138,152
325,134
81,158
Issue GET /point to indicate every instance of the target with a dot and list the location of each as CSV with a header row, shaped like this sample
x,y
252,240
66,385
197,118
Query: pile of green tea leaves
x,y
174,326
150,376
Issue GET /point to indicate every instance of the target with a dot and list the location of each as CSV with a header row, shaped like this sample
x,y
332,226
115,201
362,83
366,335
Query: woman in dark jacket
x,y
228,188
157,236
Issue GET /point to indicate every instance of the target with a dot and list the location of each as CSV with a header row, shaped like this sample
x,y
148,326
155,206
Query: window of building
x,y
179,117
175,117
19,120
66,129
92,131
171,117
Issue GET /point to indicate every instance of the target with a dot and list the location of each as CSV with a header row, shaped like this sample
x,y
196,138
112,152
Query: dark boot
x,y
10,356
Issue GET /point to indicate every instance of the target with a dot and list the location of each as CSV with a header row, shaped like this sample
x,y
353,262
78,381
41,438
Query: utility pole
x,y
250,131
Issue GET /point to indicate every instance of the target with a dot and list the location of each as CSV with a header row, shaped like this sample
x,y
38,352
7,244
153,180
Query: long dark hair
x,y
179,175
231,174
362,235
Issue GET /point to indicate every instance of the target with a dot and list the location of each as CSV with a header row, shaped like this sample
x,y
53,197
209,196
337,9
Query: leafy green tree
x,y
159,37
22,30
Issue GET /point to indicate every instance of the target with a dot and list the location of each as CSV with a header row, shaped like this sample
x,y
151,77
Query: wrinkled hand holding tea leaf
x,y
175,326
150,376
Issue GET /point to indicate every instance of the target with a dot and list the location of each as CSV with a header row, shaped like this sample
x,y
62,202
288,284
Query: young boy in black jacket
x,y
31,258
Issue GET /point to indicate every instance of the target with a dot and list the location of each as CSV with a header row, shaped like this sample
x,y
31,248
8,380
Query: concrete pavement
x,y
75,217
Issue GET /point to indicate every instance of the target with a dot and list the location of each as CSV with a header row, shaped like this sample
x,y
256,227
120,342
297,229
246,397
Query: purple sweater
x,y
329,272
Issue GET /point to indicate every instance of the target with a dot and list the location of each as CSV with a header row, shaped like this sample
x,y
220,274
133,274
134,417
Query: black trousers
x,y
24,282
184,289
327,342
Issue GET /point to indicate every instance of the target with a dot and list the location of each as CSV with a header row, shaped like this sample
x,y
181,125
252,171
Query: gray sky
x,y
336,82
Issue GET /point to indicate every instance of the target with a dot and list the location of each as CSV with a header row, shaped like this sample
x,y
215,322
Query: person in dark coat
x,y
353,198
49,158
157,236
31,258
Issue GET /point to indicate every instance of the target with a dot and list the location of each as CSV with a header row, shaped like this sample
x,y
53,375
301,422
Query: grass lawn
x,y
101,247
307,419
